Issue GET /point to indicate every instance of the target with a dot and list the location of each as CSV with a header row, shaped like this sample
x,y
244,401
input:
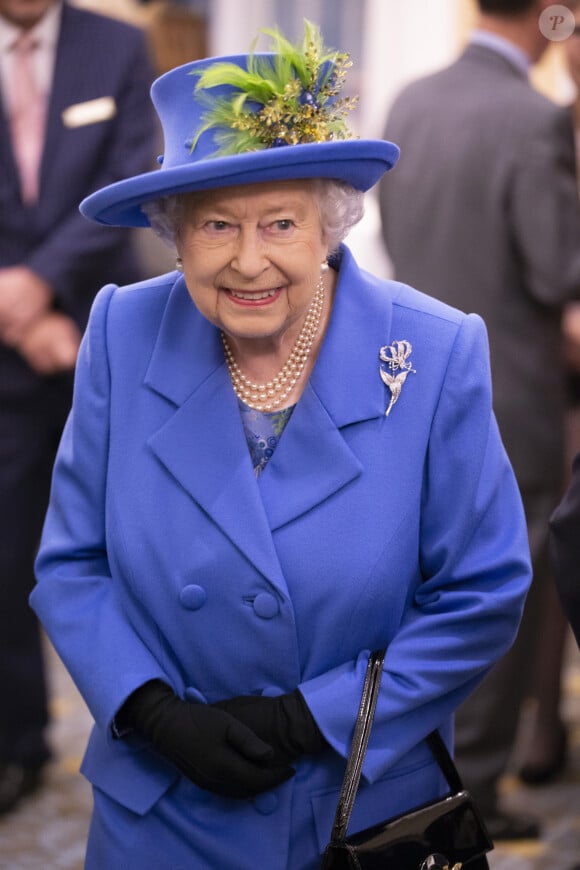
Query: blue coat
x,y
164,557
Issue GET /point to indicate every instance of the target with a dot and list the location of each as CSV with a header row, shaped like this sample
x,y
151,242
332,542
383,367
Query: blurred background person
x,y
75,115
482,213
571,318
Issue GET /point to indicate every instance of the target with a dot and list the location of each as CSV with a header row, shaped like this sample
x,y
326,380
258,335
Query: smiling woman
x,y
255,262
275,463
253,259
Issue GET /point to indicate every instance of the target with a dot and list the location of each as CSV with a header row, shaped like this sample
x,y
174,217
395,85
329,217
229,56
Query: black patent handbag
x,y
445,834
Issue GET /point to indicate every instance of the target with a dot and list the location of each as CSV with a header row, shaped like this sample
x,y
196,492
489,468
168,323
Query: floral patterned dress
x,y
263,432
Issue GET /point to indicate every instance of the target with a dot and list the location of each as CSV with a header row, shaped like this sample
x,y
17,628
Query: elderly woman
x,y
274,463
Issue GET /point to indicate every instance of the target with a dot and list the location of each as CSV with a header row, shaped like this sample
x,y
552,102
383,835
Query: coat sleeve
x,y
76,598
565,549
474,557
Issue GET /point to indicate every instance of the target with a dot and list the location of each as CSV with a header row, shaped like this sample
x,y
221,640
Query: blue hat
x,y
249,119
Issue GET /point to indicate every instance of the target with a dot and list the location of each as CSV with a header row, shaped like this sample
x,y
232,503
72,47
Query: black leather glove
x,y
209,746
284,722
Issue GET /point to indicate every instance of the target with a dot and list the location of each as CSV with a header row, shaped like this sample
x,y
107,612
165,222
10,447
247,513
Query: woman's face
x,y
252,257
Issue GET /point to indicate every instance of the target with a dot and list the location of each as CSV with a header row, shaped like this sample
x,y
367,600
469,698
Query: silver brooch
x,y
396,368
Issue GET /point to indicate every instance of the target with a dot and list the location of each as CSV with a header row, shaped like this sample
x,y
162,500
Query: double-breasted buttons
x,y
266,803
266,605
193,597
272,691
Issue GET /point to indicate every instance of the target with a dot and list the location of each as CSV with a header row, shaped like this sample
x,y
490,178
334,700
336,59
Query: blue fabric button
x,y
266,803
193,597
266,606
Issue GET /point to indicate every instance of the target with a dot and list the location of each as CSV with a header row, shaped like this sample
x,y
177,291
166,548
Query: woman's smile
x,y
252,258
254,298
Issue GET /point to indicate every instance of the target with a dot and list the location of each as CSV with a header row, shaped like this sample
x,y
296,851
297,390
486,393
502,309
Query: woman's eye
x,y
284,224
218,226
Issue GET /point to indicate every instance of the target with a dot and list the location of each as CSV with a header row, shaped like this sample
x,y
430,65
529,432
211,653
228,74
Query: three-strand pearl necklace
x,y
271,395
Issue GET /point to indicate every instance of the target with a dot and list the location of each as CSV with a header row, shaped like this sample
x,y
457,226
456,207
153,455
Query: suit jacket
x,y
164,557
96,57
565,549
482,212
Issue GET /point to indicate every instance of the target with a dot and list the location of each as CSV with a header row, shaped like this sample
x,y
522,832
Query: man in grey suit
x,y
482,212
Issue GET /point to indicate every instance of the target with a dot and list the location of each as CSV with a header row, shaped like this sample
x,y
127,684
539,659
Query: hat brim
x,y
359,162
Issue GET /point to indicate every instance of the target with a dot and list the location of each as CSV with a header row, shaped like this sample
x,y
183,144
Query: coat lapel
x,y
69,56
203,445
313,459
9,183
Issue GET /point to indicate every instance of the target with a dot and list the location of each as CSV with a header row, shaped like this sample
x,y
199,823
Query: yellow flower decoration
x,y
286,99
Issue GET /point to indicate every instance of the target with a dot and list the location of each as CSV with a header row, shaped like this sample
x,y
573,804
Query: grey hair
x,y
341,208
164,216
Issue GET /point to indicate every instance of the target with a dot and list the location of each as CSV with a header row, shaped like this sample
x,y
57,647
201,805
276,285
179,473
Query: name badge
x,y
90,112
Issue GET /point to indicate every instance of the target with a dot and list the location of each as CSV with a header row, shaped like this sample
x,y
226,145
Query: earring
x,y
179,264
324,267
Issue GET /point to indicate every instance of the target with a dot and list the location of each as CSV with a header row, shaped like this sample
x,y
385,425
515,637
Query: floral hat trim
x,y
288,98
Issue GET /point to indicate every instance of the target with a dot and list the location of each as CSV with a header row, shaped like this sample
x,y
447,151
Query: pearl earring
x,y
179,264
324,267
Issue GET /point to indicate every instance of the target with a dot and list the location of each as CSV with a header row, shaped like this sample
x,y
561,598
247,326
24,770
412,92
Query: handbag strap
x,y
358,748
443,758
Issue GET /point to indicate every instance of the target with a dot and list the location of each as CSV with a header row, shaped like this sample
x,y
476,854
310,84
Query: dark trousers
x,y
30,428
486,724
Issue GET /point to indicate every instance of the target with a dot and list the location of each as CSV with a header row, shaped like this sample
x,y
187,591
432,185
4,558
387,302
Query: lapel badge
x,y
394,368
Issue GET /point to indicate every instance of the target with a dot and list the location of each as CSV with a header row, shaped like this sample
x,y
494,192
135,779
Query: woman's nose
x,y
249,257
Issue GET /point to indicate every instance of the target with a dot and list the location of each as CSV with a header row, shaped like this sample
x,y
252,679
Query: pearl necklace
x,y
269,396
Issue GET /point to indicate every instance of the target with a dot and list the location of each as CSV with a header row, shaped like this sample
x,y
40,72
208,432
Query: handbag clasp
x,y
438,862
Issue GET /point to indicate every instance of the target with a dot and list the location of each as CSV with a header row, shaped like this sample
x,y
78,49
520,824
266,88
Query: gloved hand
x,y
284,722
209,746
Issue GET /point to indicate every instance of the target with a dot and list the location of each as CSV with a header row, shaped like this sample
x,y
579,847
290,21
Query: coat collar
x,y
490,58
346,375
203,445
